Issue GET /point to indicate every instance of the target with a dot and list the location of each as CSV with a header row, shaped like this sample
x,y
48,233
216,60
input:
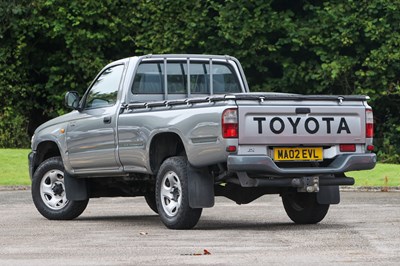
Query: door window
x,y
105,89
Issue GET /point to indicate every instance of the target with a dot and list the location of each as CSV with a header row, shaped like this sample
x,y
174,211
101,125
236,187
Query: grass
x,y
14,171
14,167
383,175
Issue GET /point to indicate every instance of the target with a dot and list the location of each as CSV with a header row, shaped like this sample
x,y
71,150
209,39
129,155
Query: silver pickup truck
x,y
182,129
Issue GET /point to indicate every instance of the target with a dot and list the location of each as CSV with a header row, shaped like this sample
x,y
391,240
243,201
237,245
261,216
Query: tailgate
x,y
301,124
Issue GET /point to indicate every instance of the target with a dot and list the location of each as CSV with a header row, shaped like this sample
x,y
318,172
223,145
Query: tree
x,y
312,47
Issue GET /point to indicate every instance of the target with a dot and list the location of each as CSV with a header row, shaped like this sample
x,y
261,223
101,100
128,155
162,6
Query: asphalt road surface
x,y
363,229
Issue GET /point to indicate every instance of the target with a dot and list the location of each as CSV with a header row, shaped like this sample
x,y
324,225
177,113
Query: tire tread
x,y
311,213
187,217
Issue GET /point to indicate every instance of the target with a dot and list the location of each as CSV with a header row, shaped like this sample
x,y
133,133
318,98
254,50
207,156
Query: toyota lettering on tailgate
x,y
328,125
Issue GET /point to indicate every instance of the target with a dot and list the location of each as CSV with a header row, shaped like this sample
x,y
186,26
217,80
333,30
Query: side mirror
x,y
72,100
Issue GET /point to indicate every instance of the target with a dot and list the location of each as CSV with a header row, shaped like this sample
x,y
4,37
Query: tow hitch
x,y
308,184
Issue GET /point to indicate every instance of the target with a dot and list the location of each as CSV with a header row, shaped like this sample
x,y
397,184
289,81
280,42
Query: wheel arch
x,y
162,146
45,150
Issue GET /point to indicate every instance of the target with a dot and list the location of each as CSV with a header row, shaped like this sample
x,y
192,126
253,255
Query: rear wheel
x,y
172,195
48,192
303,208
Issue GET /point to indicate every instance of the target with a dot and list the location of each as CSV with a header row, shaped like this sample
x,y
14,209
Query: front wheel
x,y
172,195
303,208
48,192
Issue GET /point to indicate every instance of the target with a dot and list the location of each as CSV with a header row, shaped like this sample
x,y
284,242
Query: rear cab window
x,y
184,79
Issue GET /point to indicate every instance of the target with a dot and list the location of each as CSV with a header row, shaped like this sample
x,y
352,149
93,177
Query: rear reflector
x,y
231,149
370,148
347,147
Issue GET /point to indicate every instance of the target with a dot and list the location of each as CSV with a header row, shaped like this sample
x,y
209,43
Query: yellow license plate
x,y
298,154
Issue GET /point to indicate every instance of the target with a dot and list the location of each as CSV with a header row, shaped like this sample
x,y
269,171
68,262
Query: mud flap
x,y
75,188
328,195
201,187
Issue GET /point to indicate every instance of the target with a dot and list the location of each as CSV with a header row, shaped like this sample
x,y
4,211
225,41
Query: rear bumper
x,y
261,164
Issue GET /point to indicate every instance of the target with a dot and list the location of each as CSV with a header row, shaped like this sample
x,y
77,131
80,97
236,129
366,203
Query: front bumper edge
x,y
31,161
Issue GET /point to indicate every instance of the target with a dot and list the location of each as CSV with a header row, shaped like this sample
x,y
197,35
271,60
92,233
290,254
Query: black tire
x,y
150,198
172,195
48,192
303,208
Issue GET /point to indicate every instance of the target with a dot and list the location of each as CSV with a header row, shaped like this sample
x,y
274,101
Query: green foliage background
x,y
313,47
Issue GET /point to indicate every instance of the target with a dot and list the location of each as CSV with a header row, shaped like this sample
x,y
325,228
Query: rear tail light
x,y
230,127
369,123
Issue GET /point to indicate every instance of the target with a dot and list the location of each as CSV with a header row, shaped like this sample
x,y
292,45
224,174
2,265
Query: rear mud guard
x,y
201,188
75,188
328,195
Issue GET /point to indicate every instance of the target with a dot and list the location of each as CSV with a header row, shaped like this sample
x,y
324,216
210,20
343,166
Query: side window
x,y
224,81
105,89
149,79
199,78
176,78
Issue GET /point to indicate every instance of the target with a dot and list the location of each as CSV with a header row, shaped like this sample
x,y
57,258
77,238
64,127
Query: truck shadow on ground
x,y
148,219
265,226
207,225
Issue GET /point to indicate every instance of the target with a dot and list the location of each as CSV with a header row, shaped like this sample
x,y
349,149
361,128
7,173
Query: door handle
x,y
107,120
